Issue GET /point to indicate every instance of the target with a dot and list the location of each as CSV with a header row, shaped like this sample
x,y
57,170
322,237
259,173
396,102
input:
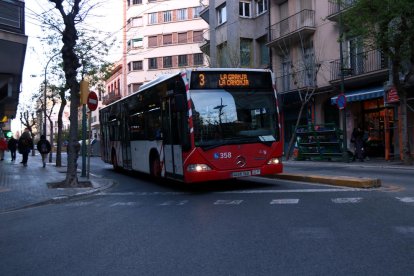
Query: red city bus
x,y
197,125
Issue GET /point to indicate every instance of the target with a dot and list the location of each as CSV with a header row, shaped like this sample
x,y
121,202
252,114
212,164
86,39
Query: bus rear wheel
x,y
155,166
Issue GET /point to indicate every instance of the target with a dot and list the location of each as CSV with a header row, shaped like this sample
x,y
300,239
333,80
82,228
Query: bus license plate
x,y
241,174
245,173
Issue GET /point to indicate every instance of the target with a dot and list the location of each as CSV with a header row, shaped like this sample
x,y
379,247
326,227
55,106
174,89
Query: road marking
x,y
285,201
329,190
79,204
227,202
347,200
174,202
406,230
406,199
124,204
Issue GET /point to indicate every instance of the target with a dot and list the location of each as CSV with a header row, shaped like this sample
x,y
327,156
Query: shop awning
x,y
361,95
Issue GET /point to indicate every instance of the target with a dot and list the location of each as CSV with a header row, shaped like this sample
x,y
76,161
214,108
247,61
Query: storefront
x,y
366,109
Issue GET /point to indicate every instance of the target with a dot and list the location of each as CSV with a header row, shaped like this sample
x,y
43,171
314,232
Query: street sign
x,y
341,101
92,101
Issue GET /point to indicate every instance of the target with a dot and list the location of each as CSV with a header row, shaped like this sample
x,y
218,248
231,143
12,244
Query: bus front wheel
x,y
155,166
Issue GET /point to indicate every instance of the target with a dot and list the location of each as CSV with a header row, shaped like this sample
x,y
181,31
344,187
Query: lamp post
x,y
44,94
345,156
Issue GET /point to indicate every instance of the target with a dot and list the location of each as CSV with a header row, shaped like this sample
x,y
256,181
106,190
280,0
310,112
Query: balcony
x,y
299,80
13,43
371,64
293,28
111,97
335,7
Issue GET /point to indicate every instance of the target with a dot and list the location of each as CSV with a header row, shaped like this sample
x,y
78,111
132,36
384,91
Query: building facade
x,y
238,35
160,37
304,37
13,42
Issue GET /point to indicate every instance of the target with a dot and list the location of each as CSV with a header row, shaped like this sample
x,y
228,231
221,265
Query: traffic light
x,y
84,91
8,134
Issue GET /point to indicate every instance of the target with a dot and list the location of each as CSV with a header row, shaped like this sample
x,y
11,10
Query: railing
x,y
336,6
296,81
362,63
12,16
111,97
304,18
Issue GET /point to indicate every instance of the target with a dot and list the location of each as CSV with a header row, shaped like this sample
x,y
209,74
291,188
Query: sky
x,y
109,20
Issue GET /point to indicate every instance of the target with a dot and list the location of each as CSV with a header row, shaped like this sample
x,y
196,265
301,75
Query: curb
x,y
346,181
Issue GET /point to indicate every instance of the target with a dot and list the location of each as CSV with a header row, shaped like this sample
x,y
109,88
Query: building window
x,y
167,62
264,52
135,43
198,36
136,2
261,6
196,11
152,63
182,60
182,37
134,87
137,65
167,16
245,52
198,59
244,9
182,14
153,18
152,41
221,14
136,22
167,39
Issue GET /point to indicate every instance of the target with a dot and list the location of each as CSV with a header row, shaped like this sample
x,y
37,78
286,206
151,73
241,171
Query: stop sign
x,y
92,101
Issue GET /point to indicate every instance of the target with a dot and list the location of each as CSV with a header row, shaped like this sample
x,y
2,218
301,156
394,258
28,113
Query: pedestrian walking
x,y
12,145
44,147
25,145
3,147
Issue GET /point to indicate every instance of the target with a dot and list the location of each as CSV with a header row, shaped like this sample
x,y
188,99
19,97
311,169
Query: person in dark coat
x,y
25,145
44,147
12,145
358,139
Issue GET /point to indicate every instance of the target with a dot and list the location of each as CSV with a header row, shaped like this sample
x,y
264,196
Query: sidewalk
x,y
27,186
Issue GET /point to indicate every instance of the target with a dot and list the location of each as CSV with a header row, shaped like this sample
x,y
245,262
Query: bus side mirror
x,y
180,103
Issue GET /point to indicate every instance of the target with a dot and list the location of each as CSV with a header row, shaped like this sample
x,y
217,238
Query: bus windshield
x,y
227,116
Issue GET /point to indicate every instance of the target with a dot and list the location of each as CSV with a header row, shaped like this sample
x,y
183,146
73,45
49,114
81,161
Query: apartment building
x,y
306,53
13,42
238,34
160,37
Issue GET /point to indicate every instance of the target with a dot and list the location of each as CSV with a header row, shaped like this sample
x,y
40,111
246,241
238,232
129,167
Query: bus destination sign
x,y
229,80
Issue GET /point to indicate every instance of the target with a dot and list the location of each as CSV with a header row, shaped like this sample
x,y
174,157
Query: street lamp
x,y
44,94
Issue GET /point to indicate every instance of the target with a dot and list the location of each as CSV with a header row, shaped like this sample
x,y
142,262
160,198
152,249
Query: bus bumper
x,y
213,175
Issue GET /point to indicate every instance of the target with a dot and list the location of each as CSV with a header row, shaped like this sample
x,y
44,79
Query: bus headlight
x,y
198,168
274,161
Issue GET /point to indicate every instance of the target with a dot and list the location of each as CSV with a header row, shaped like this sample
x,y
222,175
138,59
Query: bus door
x,y
173,118
125,138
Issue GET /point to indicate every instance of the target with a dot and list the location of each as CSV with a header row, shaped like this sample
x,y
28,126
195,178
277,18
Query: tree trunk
x,y
70,66
293,138
60,127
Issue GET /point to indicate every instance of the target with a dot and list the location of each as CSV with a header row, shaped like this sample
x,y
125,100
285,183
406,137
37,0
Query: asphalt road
x,y
247,227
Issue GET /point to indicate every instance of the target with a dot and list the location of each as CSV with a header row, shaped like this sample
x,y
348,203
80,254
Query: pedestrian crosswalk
x,y
226,202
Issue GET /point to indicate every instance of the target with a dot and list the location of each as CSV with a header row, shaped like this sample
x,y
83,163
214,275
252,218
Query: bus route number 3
x,y
222,155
